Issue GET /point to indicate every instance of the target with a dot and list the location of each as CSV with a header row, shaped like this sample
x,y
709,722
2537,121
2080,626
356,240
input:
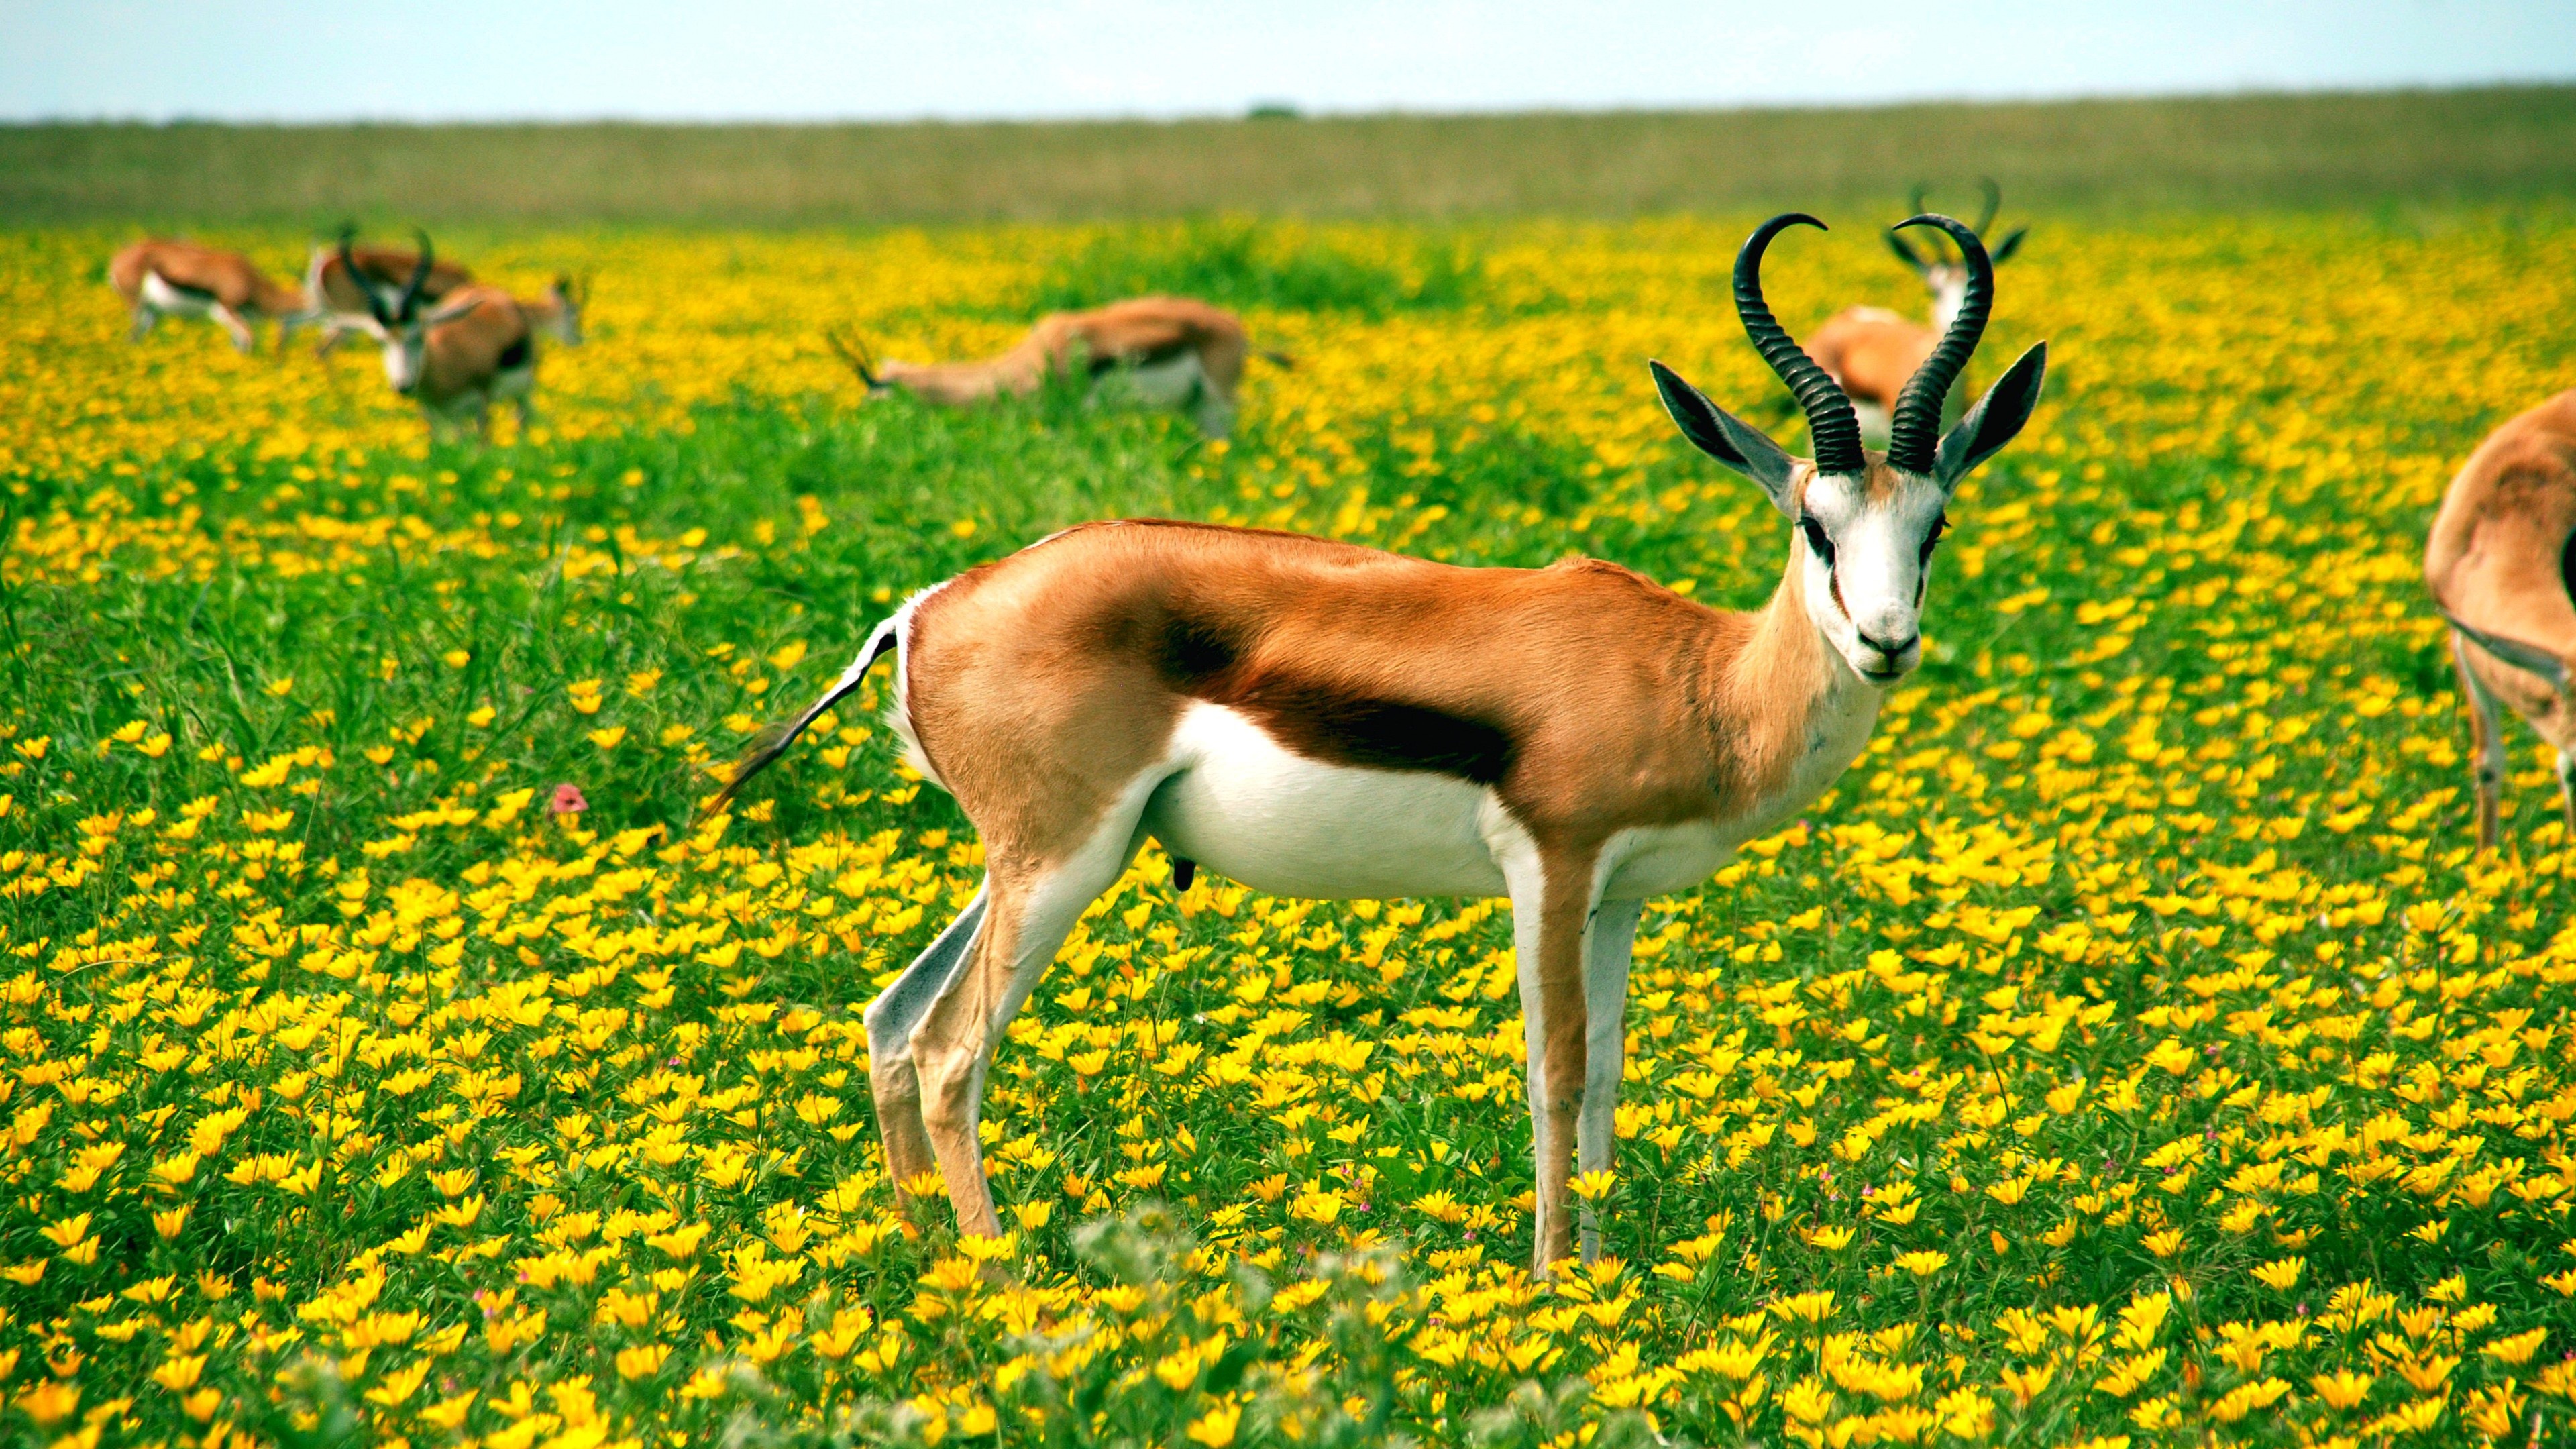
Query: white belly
x,y
175,301
1173,382
1246,807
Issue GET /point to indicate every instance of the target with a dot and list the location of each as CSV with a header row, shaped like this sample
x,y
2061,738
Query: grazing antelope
x,y
1872,352
181,279
1315,718
1174,352
339,280
457,359
2501,563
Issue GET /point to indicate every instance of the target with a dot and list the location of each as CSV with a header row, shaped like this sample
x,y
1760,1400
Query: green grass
x,y
2442,148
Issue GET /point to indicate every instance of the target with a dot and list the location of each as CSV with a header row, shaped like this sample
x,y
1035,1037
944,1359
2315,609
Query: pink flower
x,y
567,801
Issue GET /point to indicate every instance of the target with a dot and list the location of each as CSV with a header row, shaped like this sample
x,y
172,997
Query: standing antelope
x,y
181,279
1315,718
1174,352
1872,352
338,281
2501,563
457,359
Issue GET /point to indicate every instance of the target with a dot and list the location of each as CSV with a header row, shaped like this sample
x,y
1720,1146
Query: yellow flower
x,y
1215,1428
2281,1274
642,1361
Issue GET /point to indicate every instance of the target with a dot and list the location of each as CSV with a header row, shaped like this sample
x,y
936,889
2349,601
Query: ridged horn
x,y
419,277
1831,424
365,284
1914,431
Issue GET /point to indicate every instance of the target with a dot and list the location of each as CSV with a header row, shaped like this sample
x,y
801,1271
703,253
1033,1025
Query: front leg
x,y
244,340
1606,945
1551,900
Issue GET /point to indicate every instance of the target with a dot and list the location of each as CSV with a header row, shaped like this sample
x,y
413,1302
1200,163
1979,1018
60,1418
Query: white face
x,y
1866,550
406,350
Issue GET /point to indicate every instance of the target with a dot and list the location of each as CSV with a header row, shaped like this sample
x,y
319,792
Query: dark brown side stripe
x,y
1329,725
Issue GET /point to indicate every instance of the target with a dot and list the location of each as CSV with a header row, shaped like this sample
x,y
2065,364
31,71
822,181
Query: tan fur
x,y
328,284
2493,563
1035,694
1872,352
465,355
242,292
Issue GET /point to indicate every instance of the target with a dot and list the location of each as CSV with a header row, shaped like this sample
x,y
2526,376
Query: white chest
x,y
1171,382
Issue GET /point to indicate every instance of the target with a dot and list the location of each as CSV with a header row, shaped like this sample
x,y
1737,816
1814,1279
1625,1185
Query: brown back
x,y
227,276
1872,352
2498,555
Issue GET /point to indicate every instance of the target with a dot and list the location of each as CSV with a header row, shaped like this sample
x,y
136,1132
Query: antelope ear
x,y
1905,251
451,311
1994,421
1729,439
2011,243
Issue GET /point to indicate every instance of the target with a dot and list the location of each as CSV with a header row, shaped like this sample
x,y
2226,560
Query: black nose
x,y
1891,650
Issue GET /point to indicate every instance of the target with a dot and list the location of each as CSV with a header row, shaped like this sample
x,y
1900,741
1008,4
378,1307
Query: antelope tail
x,y
772,742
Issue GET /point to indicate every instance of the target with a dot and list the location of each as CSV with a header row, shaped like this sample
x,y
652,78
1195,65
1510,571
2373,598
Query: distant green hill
x,y
2426,148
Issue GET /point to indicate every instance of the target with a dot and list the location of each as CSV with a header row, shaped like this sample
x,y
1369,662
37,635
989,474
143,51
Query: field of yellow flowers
x,y
2130,1051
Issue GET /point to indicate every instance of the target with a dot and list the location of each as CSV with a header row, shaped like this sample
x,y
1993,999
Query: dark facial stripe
x,y
1329,725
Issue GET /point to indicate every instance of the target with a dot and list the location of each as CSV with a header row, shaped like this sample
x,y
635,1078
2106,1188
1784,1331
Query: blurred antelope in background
x,y
1174,352
1871,351
472,350
2501,562
338,281
558,313
1314,718
161,279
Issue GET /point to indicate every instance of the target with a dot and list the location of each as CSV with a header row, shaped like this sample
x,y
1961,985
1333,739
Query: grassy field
x,y
2130,1049
2105,158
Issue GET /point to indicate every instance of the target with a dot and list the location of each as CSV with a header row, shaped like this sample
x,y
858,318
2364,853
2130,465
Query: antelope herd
x,y
1320,719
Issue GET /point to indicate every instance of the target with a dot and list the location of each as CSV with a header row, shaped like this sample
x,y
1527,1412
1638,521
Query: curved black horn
x,y
1831,424
419,276
1914,431
1994,203
854,353
358,278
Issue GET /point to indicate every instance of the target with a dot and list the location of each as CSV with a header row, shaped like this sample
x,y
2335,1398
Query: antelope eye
x,y
1818,542
1932,540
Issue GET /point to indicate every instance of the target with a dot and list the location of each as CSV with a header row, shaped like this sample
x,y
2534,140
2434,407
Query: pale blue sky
x,y
299,60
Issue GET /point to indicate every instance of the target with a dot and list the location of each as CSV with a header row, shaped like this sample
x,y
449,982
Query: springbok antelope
x,y
2501,562
1175,352
1319,719
338,281
1872,352
457,359
182,279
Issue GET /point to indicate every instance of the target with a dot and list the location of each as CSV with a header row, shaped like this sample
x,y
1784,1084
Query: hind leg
x,y
145,318
2486,741
2567,790
1036,902
891,1019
